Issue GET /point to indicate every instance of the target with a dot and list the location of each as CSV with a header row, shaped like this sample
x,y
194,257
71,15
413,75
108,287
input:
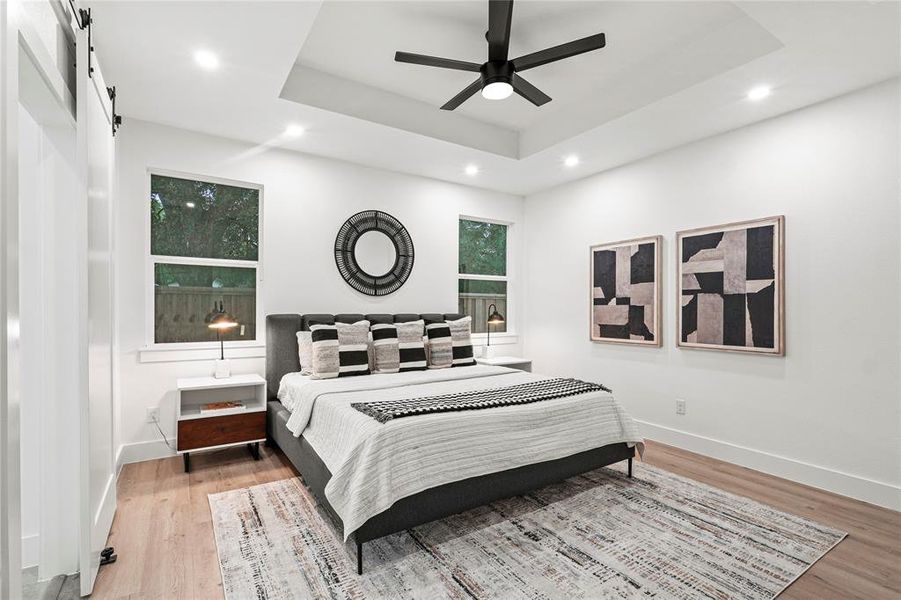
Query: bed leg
x,y
630,467
359,558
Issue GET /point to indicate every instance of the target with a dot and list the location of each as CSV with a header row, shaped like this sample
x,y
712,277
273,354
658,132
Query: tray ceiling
x,y
672,73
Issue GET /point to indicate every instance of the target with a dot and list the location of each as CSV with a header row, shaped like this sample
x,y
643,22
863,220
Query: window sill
x,y
481,339
158,354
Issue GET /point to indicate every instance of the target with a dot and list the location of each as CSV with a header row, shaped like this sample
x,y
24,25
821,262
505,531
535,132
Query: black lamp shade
x,y
494,317
222,320
219,319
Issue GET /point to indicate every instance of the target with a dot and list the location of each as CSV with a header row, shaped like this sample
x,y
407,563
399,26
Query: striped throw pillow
x,y
410,346
461,340
340,350
385,348
441,349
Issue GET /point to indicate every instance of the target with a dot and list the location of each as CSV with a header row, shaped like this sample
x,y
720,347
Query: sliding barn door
x,y
96,162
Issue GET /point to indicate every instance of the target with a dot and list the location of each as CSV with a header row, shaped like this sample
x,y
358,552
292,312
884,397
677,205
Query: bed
x,y
375,478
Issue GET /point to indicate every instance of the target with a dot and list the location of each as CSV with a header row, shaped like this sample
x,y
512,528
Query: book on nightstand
x,y
214,407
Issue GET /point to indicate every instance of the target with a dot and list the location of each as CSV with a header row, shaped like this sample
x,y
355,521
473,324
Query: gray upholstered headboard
x,y
281,337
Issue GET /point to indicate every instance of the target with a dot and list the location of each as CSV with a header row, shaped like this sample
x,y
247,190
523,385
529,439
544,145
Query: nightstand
x,y
200,427
514,362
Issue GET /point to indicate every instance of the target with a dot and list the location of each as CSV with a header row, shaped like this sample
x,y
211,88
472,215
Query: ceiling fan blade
x,y
529,91
436,61
542,57
500,16
463,96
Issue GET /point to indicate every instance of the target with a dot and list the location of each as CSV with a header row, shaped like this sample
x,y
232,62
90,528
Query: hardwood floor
x,y
163,532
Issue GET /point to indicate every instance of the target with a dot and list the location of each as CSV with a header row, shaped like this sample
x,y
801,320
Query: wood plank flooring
x,y
163,531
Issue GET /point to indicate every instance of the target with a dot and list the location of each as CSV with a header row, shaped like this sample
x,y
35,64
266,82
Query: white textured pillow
x,y
305,351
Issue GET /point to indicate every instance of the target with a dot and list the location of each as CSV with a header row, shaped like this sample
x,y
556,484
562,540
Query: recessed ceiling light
x,y
206,59
190,204
472,170
497,90
759,93
571,161
294,130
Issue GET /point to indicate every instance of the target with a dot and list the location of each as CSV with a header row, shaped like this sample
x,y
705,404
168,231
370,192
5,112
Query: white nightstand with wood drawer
x,y
201,427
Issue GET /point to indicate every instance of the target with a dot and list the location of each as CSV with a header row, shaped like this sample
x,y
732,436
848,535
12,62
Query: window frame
x,y
503,337
150,344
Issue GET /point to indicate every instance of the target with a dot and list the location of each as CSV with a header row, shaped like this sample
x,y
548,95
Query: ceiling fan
x,y
498,78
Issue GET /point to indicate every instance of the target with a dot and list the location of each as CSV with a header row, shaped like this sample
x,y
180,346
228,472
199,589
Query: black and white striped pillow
x,y
385,348
441,347
461,339
340,350
410,345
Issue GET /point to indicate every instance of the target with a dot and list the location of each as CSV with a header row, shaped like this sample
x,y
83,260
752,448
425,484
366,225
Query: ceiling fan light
x,y
497,90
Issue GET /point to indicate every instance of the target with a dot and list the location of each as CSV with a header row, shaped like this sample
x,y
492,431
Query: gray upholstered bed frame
x,y
428,505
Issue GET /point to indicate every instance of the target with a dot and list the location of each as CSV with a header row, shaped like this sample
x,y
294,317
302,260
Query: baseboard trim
x,y
141,451
875,492
31,550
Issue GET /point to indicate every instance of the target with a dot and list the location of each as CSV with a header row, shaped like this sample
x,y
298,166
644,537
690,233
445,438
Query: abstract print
x,y
730,287
625,292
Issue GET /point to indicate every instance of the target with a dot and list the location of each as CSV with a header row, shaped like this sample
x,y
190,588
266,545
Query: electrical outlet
x,y
153,414
680,406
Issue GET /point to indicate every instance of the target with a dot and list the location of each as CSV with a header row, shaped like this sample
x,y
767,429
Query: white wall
x,y
829,413
305,200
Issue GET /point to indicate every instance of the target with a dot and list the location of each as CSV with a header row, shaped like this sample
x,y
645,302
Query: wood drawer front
x,y
215,431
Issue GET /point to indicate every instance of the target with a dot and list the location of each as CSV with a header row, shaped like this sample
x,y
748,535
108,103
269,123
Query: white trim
x,y
876,492
483,277
203,262
487,220
45,64
31,551
160,353
182,346
10,465
148,450
196,177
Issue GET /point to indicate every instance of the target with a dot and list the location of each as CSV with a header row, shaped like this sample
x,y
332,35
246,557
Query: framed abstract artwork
x,y
730,287
625,292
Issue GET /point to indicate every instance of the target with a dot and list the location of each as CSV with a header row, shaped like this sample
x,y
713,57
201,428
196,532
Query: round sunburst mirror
x,y
374,253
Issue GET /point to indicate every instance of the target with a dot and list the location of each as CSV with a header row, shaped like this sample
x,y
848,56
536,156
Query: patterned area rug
x,y
598,535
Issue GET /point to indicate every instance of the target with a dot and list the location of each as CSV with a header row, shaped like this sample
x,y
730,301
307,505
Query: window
x,y
204,249
483,272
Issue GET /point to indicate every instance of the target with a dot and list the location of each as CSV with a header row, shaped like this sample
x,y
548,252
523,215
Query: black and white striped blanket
x,y
524,393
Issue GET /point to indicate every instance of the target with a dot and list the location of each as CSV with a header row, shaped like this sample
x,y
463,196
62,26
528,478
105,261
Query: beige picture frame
x,y
624,325
716,310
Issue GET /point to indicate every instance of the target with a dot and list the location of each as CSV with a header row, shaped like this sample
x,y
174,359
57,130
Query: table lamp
x,y
220,320
494,318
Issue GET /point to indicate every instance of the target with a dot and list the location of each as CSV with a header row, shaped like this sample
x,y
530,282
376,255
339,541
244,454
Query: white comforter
x,y
373,465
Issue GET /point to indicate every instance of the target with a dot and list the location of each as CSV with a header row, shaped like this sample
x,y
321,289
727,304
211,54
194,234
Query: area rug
x,y
598,535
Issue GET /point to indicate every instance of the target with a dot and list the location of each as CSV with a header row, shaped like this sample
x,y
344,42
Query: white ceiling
x,y
654,49
672,72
